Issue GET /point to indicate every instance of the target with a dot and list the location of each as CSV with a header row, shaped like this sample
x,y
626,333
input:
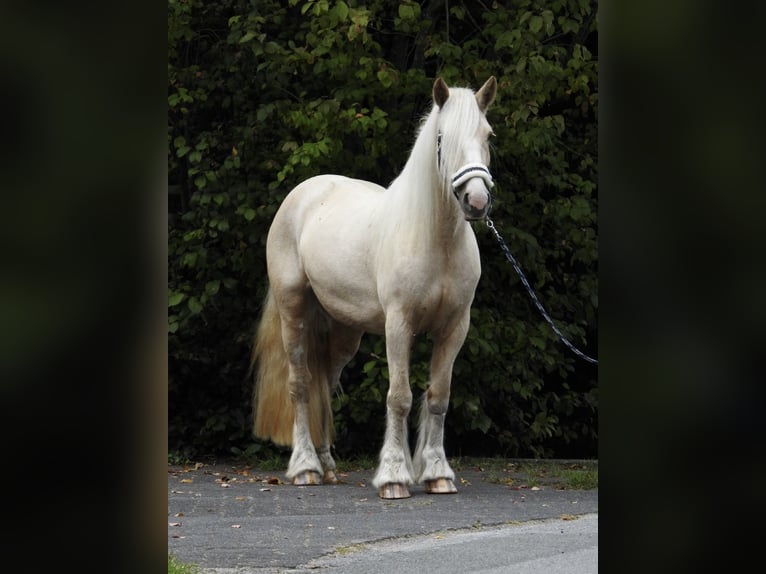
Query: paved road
x,y
235,520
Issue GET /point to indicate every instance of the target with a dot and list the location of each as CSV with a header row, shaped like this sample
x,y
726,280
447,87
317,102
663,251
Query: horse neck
x,y
422,215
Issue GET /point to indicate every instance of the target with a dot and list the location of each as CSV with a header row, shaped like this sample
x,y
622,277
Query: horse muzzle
x,y
471,185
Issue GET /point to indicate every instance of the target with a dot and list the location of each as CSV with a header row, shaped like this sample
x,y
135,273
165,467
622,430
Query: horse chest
x,y
431,302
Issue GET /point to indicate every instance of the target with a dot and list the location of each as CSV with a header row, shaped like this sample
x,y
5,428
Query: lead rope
x,y
542,310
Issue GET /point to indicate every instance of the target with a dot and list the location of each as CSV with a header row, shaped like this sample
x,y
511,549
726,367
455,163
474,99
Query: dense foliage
x,y
264,93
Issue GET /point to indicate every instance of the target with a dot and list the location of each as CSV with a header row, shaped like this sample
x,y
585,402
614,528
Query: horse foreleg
x,y
394,475
431,465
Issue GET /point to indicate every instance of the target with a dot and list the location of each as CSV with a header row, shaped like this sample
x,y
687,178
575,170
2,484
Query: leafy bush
x,y
264,94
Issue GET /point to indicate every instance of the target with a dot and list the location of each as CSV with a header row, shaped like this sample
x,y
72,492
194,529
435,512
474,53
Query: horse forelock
x,y
460,119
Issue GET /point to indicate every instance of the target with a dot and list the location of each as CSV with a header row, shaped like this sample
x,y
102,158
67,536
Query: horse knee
x,y
399,402
437,402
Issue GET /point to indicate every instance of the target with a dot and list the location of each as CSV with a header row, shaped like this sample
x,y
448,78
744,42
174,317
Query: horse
x,y
347,257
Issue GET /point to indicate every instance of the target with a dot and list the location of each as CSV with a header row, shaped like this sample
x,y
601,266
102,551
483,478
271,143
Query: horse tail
x,y
273,411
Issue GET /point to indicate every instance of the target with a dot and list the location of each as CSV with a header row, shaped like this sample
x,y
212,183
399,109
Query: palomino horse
x,y
346,257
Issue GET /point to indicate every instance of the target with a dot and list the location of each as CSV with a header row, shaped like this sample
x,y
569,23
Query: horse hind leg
x,y
343,343
305,466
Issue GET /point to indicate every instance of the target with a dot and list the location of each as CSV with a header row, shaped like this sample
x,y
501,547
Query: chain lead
x,y
539,305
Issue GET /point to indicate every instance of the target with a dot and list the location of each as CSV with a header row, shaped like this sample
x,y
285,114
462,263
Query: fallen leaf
x,y
174,524
187,480
535,488
265,490
225,485
465,482
568,517
274,480
236,526
241,498
178,514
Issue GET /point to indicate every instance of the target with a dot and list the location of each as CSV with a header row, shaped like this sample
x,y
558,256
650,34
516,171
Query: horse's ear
x,y
486,95
441,92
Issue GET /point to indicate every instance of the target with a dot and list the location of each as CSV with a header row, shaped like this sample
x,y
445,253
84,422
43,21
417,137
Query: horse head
x,y
463,145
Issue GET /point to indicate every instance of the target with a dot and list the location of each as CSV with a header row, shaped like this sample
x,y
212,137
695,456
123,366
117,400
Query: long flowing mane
x,y
419,196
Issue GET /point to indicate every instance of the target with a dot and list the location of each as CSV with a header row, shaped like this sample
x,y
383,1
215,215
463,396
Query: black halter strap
x,y
439,150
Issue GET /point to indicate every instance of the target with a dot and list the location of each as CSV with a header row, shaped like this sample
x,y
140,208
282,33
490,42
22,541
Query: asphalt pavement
x,y
231,519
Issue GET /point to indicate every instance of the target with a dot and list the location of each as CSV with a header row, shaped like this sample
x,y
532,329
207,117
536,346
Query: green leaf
x,y
212,287
369,366
247,37
483,423
194,305
189,259
385,77
535,24
548,20
175,298
504,40
341,9
406,12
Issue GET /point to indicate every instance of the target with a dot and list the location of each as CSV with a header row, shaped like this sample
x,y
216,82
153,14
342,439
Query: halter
x,y
468,171
471,170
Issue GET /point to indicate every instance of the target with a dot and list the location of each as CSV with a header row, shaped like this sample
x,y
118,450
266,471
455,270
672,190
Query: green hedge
x,y
262,95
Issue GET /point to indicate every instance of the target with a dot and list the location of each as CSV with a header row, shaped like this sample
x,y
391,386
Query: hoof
x,y
394,490
329,477
307,478
440,486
